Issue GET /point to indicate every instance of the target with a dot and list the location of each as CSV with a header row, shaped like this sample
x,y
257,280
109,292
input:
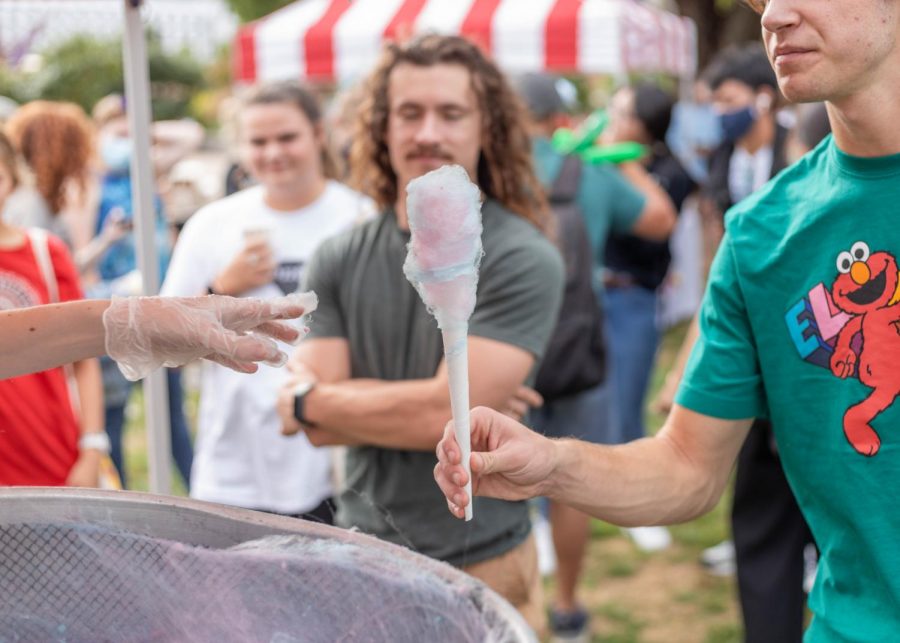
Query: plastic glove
x,y
144,333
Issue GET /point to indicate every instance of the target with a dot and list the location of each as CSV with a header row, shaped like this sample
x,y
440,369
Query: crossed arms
x,y
407,414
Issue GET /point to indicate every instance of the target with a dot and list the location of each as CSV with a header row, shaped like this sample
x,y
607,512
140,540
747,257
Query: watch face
x,y
298,407
299,394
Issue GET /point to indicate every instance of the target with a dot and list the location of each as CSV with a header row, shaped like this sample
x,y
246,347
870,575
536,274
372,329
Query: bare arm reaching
x,y
673,477
143,333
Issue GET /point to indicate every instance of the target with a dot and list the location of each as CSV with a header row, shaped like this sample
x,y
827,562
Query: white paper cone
x,y
457,356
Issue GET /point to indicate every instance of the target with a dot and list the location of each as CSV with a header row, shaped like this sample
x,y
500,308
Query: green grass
x,y
135,444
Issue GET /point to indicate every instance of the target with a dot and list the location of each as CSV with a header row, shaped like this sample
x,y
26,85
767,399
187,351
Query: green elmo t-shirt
x,y
801,323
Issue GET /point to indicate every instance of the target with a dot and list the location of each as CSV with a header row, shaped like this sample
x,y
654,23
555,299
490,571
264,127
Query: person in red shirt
x,y
51,423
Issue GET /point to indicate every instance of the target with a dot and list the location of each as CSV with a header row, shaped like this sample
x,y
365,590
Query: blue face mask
x,y
116,154
736,124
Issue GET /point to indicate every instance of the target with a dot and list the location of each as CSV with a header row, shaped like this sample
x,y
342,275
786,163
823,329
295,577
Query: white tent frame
x,y
137,97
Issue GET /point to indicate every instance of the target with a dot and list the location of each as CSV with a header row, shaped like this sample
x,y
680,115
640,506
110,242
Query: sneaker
x,y
650,539
719,560
569,627
810,567
543,536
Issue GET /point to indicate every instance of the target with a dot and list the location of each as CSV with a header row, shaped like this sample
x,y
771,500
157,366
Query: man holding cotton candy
x,y
372,373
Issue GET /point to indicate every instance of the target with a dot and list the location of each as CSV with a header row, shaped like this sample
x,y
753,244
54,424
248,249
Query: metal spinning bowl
x,y
187,522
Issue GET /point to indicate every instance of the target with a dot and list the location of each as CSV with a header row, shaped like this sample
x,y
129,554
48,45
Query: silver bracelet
x,y
95,440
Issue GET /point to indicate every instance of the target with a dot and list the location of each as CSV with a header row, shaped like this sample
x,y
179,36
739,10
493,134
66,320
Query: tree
x,y
248,10
84,70
720,23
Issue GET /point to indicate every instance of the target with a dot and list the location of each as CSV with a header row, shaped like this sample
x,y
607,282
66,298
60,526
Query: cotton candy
x,y
444,212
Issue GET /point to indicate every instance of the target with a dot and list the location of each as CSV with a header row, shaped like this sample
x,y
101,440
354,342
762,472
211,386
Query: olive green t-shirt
x,y
365,298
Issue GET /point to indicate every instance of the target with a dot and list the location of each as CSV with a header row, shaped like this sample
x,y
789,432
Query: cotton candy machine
x,y
83,565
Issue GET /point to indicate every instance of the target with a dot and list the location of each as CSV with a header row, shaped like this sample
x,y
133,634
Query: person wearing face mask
x,y
769,532
745,97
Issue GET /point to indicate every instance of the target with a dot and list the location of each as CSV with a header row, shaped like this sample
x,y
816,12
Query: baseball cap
x,y
546,94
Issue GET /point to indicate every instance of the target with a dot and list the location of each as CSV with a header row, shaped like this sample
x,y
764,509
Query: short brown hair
x,y
56,140
296,95
505,170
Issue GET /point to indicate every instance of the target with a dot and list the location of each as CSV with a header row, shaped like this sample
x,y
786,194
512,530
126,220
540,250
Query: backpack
x,y
575,358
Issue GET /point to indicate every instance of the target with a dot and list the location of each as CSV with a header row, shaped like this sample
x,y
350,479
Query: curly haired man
x,y
372,375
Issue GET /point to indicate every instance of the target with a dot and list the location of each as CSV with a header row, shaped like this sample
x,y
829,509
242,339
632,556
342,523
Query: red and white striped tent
x,y
340,39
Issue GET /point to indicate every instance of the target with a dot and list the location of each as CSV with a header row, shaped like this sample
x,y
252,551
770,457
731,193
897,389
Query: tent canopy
x,y
326,40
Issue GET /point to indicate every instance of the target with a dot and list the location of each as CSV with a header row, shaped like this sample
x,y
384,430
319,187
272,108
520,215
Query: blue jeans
x,y
182,450
631,337
584,416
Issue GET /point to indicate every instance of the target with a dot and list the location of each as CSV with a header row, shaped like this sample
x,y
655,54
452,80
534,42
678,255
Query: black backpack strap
x,y
565,186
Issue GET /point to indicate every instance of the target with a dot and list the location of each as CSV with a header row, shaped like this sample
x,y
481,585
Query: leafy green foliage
x,y
84,69
248,10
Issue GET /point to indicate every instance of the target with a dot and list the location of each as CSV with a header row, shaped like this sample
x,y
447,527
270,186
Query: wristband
x,y
96,441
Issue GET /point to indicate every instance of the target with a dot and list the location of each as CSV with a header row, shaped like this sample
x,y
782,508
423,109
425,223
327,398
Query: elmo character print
x,y
867,288
852,328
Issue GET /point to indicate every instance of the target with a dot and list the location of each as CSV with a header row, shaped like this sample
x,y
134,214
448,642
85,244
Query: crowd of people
x,y
563,337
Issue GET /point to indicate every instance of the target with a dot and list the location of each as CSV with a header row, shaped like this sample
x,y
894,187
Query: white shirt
x,y
748,172
241,457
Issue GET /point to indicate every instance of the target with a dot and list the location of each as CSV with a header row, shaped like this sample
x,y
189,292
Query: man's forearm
x,y
645,482
35,339
401,415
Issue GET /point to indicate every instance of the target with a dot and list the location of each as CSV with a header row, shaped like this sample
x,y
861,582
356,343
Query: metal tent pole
x,y
137,96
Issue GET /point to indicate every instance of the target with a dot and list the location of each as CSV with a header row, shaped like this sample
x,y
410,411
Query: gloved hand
x,y
144,333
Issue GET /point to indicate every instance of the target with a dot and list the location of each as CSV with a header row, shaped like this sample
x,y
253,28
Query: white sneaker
x,y
543,536
719,560
810,567
650,538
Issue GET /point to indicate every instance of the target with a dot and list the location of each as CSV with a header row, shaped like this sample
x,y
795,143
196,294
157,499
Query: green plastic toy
x,y
581,142
615,153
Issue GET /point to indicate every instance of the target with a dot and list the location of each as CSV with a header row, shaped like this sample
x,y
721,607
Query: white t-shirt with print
x,y
241,457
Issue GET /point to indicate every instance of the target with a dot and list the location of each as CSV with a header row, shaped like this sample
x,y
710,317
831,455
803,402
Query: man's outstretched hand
x,y
144,333
509,461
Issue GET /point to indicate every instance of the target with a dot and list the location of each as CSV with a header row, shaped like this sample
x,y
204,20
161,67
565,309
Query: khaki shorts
x,y
515,576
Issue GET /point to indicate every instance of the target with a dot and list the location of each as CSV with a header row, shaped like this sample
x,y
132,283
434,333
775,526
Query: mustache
x,y
429,151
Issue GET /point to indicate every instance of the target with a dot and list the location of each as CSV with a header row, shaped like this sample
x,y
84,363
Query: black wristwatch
x,y
300,394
